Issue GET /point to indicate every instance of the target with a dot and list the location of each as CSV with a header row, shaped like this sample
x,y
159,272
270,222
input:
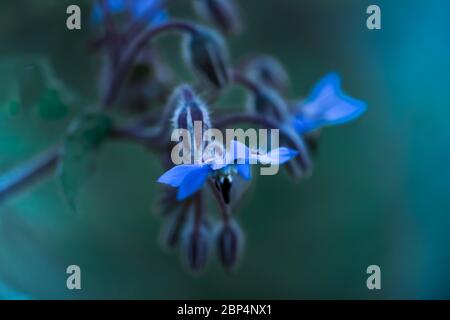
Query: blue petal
x,y
278,156
160,18
328,105
139,9
175,176
149,9
303,125
284,154
114,6
239,153
244,170
193,182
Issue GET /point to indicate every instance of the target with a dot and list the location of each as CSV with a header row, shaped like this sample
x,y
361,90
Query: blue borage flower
x,y
189,178
327,106
151,10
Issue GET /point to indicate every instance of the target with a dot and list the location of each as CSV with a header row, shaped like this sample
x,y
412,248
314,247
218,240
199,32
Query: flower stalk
x,y
227,171
133,50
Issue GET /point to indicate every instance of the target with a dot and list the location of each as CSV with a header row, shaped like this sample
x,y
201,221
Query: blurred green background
x,y
379,194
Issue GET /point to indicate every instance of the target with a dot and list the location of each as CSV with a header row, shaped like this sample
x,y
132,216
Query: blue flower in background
x,y
151,10
327,106
189,178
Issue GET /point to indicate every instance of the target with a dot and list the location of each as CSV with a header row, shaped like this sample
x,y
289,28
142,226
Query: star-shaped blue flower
x,y
150,10
189,178
326,106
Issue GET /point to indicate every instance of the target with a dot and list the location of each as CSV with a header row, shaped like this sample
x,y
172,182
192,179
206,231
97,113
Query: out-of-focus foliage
x,y
79,148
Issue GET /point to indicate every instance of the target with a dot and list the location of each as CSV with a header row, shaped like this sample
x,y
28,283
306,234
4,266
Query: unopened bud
x,y
189,110
229,244
190,115
223,13
196,248
148,80
207,54
269,103
174,220
268,71
301,166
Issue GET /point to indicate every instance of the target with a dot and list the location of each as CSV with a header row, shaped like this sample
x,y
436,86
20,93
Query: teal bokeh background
x,y
379,194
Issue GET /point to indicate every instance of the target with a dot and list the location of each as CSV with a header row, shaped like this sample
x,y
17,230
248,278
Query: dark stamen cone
x,y
207,54
225,187
312,141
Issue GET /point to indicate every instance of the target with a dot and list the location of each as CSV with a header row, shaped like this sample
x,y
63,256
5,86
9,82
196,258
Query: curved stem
x,y
138,44
18,178
150,137
153,136
110,32
241,117
246,82
137,25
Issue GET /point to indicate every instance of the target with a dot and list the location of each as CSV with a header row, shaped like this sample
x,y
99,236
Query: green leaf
x,y
77,160
50,105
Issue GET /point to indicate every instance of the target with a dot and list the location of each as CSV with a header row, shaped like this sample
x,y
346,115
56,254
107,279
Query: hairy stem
x,y
18,178
149,137
137,25
243,117
246,82
110,32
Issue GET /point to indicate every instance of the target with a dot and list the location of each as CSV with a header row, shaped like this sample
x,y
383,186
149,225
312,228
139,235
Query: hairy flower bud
x,y
148,81
268,71
223,13
192,115
195,248
174,217
207,54
189,109
268,102
229,244
300,166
